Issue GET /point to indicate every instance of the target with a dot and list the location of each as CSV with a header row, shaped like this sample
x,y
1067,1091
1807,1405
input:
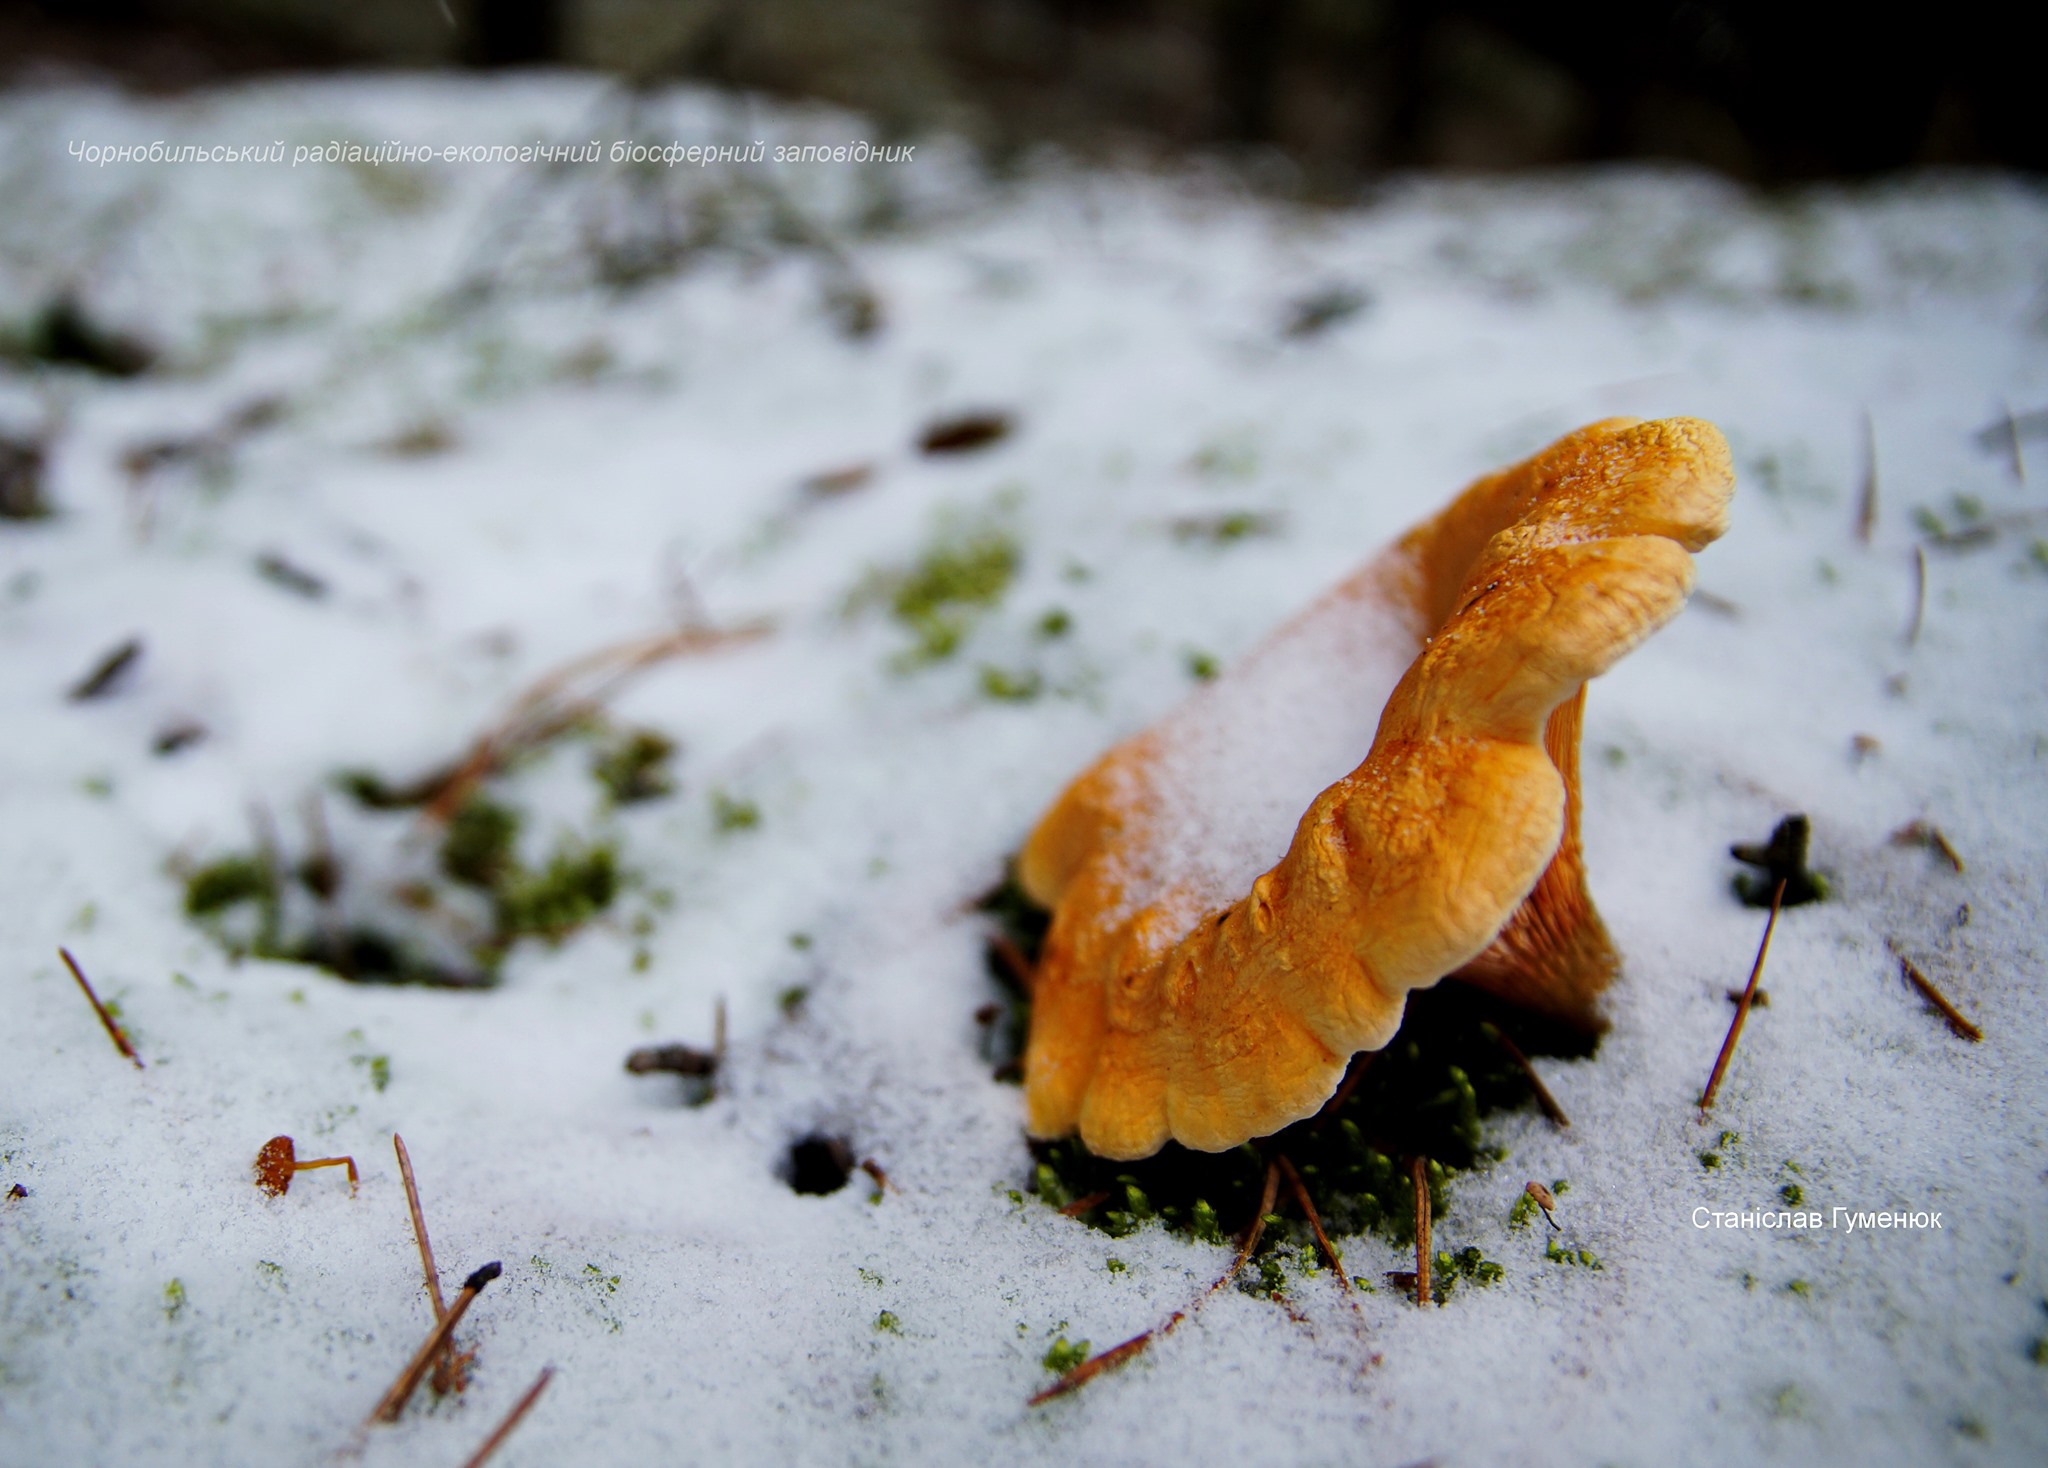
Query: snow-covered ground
x,y
608,460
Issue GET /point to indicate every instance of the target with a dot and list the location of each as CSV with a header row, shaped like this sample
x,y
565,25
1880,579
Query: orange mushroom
x,y
1215,956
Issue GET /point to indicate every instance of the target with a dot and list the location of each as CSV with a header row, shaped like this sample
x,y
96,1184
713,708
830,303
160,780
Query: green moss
x,y
478,847
1115,1266
1558,1253
961,574
1055,624
791,1000
635,768
379,1068
731,813
1523,1213
1710,1160
1466,1266
2037,1350
220,885
1793,1194
1799,1287
1063,1355
1004,686
174,1299
1202,666
578,883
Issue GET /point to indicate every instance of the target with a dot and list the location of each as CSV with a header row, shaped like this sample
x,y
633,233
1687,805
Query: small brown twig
x,y
1544,1099
1353,1074
1418,1173
1742,1006
419,1226
1544,1199
1924,833
512,1418
114,1031
1919,596
408,1381
1082,1204
552,704
1866,497
1911,972
451,1370
1095,1365
875,1171
1004,950
1761,999
717,1045
1315,1221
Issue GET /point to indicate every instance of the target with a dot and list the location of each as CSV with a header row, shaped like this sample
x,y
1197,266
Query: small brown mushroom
x,y
278,1160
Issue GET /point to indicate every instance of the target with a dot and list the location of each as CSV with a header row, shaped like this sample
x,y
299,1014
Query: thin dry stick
x,y
1866,499
1353,1074
419,1225
1934,996
2015,457
1742,1006
114,1031
504,1429
1315,1221
409,1379
717,1044
1919,595
1095,1365
1544,1099
1418,1171
546,709
450,1368
1011,957
1081,1205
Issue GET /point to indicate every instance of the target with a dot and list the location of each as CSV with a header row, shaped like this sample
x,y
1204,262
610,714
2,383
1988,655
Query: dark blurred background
x,y
1325,93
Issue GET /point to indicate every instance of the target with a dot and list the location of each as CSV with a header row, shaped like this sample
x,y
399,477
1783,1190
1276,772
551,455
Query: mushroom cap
x,y
1215,954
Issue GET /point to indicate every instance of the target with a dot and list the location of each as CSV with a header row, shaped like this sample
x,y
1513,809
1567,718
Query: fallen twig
x,y
408,1381
519,1409
1082,1204
551,706
1919,596
1544,1099
1866,497
1315,1222
451,1370
1923,833
1956,1020
1544,1199
1742,1006
1095,1365
114,1031
106,672
1418,1173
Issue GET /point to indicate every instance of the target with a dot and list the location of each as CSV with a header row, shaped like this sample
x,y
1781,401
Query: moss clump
x,y
578,883
731,813
635,768
887,1323
1003,686
1466,1266
220,885
1063,1355
960,575
477,849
